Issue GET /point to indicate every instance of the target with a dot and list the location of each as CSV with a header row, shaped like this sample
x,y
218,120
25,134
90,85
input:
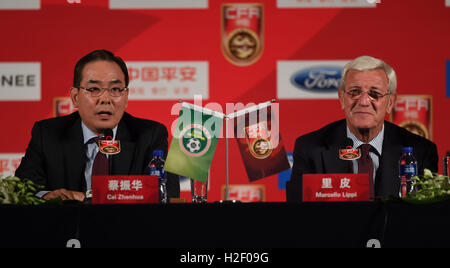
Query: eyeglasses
x,y
355,94
98,91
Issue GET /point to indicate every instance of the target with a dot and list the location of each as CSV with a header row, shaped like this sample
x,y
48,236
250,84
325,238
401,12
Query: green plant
x,y
430,186
21,192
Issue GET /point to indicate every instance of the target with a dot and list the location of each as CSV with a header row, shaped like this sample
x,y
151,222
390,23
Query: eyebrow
x,y
115,81
359,87
93,81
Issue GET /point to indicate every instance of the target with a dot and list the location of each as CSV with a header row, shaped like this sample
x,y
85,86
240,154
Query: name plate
x,y
335,187
125,189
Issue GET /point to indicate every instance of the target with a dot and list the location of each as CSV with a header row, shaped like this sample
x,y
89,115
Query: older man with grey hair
x,y
367,94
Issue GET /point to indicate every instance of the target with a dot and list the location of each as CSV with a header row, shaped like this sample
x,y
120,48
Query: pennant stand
x,y
227,154
227,118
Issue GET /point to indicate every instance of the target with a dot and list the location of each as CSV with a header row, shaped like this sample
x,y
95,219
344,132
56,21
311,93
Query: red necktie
x,y
101,164
365,165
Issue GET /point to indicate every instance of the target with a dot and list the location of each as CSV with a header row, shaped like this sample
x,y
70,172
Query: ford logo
x,y
318,79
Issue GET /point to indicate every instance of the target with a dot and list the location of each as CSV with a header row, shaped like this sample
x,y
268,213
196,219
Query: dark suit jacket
x,y
318,153
56,158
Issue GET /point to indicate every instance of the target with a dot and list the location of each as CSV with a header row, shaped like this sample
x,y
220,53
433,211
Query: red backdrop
x,y
412,36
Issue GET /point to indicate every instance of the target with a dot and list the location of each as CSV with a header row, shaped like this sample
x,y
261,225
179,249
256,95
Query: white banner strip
x,y
250,109
158,4
20,81
203,110
327,3
20,4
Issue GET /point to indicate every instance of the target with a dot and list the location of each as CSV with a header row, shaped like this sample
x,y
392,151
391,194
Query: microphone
x,y
349,142
108,133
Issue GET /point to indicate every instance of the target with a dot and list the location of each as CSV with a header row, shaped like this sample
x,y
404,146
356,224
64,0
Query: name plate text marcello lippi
x,y
335,187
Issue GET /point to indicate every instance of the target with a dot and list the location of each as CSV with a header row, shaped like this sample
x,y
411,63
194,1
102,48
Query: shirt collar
x,y
89,134
376,143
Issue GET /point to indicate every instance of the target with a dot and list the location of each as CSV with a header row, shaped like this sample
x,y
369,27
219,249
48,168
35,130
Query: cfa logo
x,y
74,1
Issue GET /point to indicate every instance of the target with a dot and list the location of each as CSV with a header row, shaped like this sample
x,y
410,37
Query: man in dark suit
x,y
61,152
367,94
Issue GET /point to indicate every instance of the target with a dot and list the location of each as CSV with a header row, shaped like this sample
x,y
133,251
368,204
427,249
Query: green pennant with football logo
x,y
194,142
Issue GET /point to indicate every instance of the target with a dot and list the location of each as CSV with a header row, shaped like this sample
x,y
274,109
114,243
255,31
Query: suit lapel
x,y
388,169
331,161
122,162
74,156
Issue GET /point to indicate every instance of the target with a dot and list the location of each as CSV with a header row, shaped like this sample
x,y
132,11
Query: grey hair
x,y
368,63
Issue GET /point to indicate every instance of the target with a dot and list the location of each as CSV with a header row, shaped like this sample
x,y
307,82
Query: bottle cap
x,y
407,150
158,153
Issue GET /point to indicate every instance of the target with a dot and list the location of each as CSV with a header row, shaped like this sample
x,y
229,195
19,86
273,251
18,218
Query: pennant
x,y
257,134
194,142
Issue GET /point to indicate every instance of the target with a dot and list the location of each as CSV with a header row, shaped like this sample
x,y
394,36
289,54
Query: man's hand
x,y
65,195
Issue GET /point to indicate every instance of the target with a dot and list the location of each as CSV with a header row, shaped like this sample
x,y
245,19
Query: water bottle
x,y
407,169
157,169
446,164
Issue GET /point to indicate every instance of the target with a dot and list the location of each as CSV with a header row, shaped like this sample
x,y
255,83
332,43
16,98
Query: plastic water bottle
x,y
157,169
407,169
446,164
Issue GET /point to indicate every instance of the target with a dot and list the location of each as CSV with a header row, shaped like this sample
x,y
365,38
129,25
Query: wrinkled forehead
x,y
102,73
375,78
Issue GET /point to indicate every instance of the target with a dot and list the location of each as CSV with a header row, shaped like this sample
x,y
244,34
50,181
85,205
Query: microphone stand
x,y
227,154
